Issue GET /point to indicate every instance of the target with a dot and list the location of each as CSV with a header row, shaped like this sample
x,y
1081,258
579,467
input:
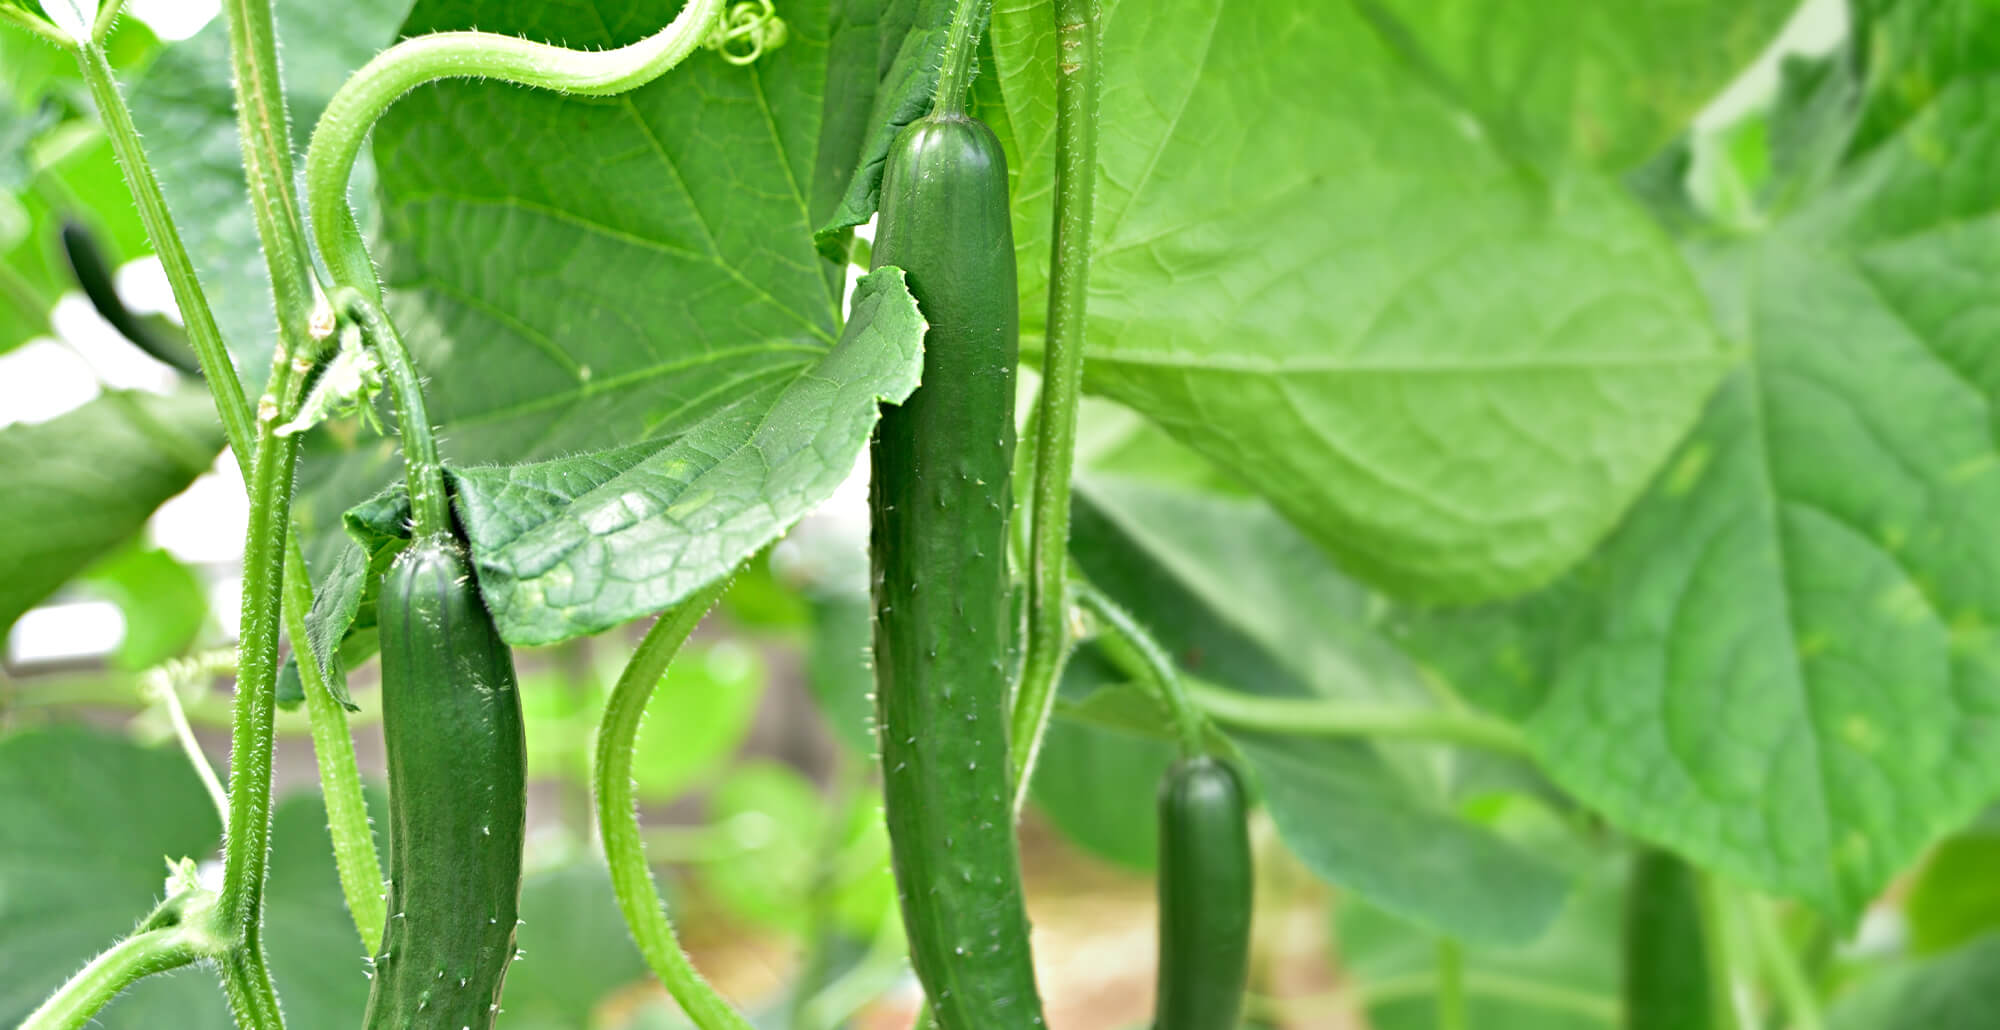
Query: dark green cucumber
x,y
942,462
1206,892
1667,959
451,718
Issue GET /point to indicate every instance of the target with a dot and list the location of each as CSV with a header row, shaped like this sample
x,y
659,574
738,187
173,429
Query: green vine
x,y
361,101
618,816
1135,652
430,513
1054,421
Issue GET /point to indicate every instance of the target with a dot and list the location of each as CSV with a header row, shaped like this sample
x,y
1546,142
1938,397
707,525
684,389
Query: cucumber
x,y
451,718
1667,956
1206,891
942,463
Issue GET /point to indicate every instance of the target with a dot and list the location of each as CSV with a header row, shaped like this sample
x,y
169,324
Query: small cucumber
x,y
1206,891
451,718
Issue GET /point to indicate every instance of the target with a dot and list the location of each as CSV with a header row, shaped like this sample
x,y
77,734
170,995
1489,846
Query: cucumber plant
x,y
1551,515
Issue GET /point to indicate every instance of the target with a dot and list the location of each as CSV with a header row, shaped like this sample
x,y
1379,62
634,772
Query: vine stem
x,y
1719,904
1135,652
354,854
268,168
116,968
168,694
618,816
1326,718
1783,965
1450,985
107,15
961,43
265,131
246,974
37,25
1062,375
430,513
354,109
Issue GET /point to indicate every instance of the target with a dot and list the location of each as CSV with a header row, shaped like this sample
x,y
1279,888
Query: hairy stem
x,y
1324,718
246,982
361,874
36,24
618,817
265,131
354,855
961,44
1062,378
241,904
168,694
74,1004
430,514
353,111
230,401
1782,963
107,15
266,136
1137,654
1726,962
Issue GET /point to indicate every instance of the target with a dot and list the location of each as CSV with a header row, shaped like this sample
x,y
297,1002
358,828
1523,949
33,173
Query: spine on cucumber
x,y
940,502
1206,896
451,719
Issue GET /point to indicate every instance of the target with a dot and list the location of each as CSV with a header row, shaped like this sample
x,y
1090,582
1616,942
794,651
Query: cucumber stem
x,y
961,44
1135,651
430,514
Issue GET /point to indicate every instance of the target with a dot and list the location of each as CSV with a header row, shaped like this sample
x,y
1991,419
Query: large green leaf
x,y
1326,259
575,273
1784,664
76,486
186,109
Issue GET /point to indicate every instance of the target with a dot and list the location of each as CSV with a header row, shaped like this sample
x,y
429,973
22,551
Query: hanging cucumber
x,y
942,462
1668,958
451,722
1205,891
451,718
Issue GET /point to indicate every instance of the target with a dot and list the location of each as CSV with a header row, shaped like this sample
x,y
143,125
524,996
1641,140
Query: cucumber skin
x,y
1666,956
1207,891
942,463
451,718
